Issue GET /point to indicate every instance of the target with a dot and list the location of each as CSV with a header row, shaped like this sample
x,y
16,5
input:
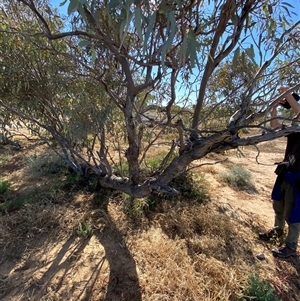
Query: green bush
x,y
191,189
4,157
135,208
159,161
258,290
238,177
4,186
121,168
84,230
188,188
72,180
12,204
45,164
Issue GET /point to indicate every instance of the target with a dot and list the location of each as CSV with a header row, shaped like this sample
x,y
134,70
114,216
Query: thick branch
x,y
213,62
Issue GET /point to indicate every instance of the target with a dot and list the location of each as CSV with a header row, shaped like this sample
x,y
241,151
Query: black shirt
x,y
292,152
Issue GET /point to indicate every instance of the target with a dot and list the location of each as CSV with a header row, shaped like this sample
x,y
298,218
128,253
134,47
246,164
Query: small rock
x,y
261,256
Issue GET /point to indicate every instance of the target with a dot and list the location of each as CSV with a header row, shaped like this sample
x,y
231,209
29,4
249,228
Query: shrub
x,y
12,204
121,168
73,180
135,208
4,158
258,290
84,230
187,186
238,177
160,160
191,189
45,164
4,186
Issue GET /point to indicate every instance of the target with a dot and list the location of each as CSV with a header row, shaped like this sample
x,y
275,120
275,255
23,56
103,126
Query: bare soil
x,y
42,258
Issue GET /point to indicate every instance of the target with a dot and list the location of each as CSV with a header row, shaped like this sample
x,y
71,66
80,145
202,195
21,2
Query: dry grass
x,y
169,273
209,169
187,266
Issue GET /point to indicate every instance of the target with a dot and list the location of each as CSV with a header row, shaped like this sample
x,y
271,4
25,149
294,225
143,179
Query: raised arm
x,y
295,106
291,100
274,123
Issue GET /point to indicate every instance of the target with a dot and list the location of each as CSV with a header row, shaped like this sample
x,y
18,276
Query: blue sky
x,y
62,9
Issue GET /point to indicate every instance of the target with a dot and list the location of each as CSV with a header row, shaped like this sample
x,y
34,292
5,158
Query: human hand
x,y
281,102
283,89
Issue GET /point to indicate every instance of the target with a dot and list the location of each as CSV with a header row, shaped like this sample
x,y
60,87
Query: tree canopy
x,y
113,79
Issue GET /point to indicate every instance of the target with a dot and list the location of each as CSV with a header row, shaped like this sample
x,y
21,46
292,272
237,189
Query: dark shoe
x,y
274,233
284,252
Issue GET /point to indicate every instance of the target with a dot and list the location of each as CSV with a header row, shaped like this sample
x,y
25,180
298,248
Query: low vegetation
x,y
4,186
45,163
239,178
256,289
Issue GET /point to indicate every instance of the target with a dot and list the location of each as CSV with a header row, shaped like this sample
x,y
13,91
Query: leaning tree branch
x,y
212,61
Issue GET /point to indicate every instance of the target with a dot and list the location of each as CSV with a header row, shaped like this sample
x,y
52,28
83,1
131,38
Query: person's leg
x,y
279,210
293,235
279,221
291,241
294,228
278,207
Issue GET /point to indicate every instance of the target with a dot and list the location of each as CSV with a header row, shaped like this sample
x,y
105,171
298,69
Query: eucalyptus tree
x,y
116,77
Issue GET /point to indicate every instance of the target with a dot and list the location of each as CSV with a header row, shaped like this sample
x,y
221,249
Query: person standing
x,y
286,190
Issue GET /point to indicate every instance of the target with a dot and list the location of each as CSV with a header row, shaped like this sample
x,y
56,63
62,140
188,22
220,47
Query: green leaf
x,y
124,26
72,6
83,43
250,53
63,3
172,31
236,56
243,59
138,22
49,11
287,10
287,4
183,49
81,11
113,4
149,29
192,48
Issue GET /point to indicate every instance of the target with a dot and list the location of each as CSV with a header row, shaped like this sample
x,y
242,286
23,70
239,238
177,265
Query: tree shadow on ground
x,y
91,269
34,278
123,282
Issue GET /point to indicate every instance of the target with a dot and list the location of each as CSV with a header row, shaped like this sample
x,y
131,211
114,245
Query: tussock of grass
x,y
239,178
52,213
4,187
209,169
205,231
169,273
194,254
29,221
84,230
45,163
4,157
